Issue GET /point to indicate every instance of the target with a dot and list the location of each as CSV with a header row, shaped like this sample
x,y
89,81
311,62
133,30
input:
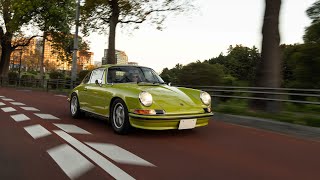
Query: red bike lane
x,y
218,151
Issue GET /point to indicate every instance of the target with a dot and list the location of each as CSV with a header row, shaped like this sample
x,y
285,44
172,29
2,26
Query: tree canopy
x,y
100,15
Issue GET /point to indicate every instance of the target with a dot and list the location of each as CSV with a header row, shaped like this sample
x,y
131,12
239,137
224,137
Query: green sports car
x,y
135,96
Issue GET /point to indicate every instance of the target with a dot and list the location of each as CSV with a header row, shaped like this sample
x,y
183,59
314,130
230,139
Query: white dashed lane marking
x,y
70,161
61,95
7,99
106,165
30,109
1,96
119,155
20,117
2,104
8,109
69,128
46,116
17,103
37,131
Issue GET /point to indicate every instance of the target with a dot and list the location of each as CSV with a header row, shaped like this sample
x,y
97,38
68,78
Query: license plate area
x,y
187,123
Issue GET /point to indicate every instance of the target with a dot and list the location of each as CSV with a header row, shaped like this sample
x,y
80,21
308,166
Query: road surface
x,y
40,140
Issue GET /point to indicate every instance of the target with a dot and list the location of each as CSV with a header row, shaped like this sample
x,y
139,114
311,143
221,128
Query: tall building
x,y
121,57
31,55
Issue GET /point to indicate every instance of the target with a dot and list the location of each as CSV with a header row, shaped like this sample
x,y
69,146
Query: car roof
x,y
119,65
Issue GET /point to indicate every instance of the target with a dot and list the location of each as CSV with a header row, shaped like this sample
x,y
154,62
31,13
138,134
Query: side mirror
x,y
99,82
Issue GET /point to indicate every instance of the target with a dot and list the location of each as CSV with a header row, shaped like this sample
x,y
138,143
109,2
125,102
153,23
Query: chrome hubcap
x,y
118,115
74,105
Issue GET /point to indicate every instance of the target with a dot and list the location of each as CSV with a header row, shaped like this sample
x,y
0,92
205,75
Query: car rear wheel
x,y
119,117
75,107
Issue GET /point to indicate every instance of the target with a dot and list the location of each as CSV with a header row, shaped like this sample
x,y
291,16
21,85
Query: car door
x,y
102,95
82,92
96,95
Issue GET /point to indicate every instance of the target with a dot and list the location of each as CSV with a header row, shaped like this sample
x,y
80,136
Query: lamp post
x,y
20,62
75,47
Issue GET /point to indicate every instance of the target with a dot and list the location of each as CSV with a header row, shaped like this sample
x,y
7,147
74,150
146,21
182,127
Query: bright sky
x,y
205,33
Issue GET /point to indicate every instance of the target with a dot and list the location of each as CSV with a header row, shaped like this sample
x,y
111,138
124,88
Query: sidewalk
x,y
296,130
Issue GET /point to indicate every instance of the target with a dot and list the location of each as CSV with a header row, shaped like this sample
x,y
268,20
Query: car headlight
x,y
145,98
205,98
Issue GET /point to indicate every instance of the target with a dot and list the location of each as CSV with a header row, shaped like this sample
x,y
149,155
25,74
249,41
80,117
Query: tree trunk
x,y
42,55
5,61
269,69
111,55
6,51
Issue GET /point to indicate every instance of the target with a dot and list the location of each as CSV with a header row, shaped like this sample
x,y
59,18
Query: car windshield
x,y
128,74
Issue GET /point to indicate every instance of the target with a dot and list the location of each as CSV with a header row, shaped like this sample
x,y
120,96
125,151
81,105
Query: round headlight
x,y
145,98
205,98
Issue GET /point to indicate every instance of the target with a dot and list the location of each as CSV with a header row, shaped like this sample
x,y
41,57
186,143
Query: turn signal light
x,y
145,111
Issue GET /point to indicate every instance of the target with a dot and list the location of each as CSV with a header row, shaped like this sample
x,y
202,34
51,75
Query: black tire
x,y
75,107
119,117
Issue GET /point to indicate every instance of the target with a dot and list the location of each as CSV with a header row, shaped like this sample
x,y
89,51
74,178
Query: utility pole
x,y
75,47
20,65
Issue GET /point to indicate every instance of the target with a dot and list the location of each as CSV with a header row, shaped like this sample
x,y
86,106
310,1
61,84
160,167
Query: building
x,y
31,55
133,63
121,57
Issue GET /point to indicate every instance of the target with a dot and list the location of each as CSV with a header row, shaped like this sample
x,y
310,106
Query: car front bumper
x,y
163,122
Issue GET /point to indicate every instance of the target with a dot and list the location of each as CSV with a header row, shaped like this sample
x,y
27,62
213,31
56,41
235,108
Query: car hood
x,y
173,100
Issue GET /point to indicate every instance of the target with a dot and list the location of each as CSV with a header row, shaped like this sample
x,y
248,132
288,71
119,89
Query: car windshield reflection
x,y
127,74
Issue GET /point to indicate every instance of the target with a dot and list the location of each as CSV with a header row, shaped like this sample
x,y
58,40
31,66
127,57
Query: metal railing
x,y
302,96
292,95
46,84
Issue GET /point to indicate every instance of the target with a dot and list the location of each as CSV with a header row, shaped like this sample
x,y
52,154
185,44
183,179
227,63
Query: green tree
x,y
14,15
312,33
172,74
54,18
101,14
201,74
269,68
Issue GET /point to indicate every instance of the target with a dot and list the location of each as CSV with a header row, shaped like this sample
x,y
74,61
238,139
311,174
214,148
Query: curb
x,y
300,131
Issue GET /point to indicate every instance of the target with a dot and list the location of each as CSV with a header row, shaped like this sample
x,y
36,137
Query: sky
x,y
204,33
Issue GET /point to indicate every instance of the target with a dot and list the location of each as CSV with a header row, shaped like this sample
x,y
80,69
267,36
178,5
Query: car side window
x,y
96,74
86,79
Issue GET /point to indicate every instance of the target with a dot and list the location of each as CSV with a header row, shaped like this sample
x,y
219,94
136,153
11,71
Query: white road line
x,y
8,109
17,103
61,95
106,165
20,117
118,154
2,104
2,97
30,109
70,161
26,90
7,99
46,116
37,131
70,128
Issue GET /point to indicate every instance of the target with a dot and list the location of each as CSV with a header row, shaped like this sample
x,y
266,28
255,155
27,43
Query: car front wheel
x,y
75,107
119,117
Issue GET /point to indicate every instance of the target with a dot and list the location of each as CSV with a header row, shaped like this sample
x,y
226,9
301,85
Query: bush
x,y
55,79
82,74
12,76
27,80
56,75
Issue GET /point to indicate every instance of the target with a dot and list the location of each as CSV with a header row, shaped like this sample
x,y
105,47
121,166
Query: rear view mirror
x,y
99,82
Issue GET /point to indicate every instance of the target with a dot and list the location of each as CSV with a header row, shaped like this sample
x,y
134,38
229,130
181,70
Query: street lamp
x,y
20,63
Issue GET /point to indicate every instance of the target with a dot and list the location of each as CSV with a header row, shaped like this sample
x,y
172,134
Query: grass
x,y
308,115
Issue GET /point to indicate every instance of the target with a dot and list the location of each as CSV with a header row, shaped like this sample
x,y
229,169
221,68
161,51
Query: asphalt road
x,y
40,140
